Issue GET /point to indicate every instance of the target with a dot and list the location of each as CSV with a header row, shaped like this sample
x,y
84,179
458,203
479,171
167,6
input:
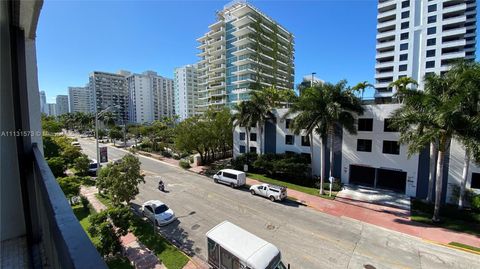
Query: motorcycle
x,y
161,186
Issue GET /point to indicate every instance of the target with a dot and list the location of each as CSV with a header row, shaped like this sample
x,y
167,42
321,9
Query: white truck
x,y
231,247
272,192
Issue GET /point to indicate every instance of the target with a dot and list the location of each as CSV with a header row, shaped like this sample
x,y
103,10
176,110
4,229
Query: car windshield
x,y
93,165
161,209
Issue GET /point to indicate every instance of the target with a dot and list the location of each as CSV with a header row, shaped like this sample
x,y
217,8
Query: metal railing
x,y
63,241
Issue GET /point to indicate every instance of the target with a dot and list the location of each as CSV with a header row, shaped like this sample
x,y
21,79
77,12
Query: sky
x,y
333,38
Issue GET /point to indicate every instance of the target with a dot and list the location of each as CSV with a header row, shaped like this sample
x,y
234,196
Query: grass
x,y
460,245
307,190
465,221
119,263
166,252
83,217
172,257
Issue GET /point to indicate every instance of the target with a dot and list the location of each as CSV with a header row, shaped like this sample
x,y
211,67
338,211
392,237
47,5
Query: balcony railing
x,y
58,232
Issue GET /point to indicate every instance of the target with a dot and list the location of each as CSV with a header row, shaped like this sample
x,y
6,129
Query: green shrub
x,y
176,157
81,165
184,164
475,203
241,160
166,154
85,203
57,165
191,159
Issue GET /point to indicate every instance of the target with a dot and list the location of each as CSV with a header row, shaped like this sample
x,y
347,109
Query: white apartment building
x,y
415,38
185,91
62,105
51,109
43,102
81,99
150,97
244,50
110,90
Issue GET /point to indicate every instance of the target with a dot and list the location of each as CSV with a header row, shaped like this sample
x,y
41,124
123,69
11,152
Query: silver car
x,y
158,212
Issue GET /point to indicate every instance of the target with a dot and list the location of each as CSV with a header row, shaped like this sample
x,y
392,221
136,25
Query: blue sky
x,y
335,39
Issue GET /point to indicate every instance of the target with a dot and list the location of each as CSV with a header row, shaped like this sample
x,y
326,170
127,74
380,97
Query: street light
x,y
97,115
311,81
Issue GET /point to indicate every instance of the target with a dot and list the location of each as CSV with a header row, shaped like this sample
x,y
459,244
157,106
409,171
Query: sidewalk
x,y
387,217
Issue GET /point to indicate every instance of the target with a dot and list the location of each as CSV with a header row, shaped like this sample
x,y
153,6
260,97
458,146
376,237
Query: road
x,y
306,238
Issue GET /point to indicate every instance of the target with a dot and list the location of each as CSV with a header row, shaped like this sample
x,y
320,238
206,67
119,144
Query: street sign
x,y
103,155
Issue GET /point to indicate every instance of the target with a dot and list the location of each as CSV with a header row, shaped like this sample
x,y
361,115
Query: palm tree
x,y
245,115
436,115
402,84
361,86
321,109
264,101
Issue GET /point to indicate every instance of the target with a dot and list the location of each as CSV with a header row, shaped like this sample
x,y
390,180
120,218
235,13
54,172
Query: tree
x,y
50,124
115,133
109,225
81,165
70,186
50,147
57,165
361,86
121,180
245,116
402,84
323,108
70,154
436,115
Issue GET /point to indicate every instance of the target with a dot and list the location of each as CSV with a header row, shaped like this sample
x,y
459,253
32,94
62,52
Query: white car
x,y
158,212
272,192
92,168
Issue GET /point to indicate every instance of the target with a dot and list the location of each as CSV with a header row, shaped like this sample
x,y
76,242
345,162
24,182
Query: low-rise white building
x,y
372,157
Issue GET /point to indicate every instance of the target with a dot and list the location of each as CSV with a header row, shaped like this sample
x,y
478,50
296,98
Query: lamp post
x,y
97,115
311,81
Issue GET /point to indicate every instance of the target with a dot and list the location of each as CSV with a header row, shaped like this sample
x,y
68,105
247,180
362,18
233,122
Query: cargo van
x,y
230,177
231,247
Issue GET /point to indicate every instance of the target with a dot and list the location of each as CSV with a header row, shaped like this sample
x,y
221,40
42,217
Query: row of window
x,y
289,139
366,125
389,147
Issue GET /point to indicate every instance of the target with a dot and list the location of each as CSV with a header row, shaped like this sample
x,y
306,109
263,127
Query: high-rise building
x,y
43,102
81,99
62,105
415,38
110,91
185,91
150,97
51,109
244,50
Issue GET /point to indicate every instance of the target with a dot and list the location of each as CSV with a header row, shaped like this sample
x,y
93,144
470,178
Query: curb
x,y
452,246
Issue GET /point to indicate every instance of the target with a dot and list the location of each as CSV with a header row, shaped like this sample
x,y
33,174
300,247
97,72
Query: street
x,y
306,238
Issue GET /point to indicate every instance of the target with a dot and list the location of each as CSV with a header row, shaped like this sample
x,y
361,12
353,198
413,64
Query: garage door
x,y
362,175
391,179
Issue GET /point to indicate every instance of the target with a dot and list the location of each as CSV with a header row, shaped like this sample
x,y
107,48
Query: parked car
x,y
92,168
272,192
76,144
230,177
229,246
158,212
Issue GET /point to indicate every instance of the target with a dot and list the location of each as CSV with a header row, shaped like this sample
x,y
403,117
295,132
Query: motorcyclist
x,y
161,186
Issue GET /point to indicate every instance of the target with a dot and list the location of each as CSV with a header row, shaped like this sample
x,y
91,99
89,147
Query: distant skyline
x,y
334,39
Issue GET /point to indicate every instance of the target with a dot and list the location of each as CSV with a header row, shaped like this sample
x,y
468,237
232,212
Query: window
x,y
405,4
431,30
430,64
253,137
475,183
403,36
242,149
431,42
149,208
404,25
432,19
242,136
307,157
306,141
403,57
430,53
364,145
229,175
387,126
253,149
365,125
404,46
287,123
405,14
391,147
289,139
402,67
432,8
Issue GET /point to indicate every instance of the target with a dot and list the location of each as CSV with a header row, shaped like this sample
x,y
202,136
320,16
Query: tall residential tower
x,y
110,91
244,50
415,38
62,105
81,99
185,91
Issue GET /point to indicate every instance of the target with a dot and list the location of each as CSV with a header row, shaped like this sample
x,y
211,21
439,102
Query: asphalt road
x,y
306,238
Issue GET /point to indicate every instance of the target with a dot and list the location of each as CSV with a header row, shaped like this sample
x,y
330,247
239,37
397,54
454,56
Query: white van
x,y
231,247
230,177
